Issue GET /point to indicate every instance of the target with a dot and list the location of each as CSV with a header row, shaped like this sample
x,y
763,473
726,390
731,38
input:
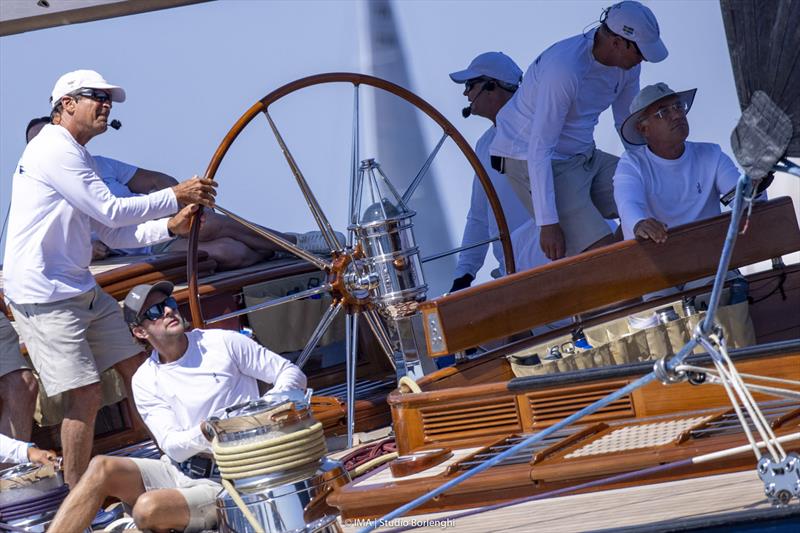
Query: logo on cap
x,y
627,30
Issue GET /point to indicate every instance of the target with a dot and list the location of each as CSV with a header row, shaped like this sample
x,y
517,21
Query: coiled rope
x,y
238,461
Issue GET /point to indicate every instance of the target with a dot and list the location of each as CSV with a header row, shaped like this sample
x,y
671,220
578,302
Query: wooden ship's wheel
x,y
377,273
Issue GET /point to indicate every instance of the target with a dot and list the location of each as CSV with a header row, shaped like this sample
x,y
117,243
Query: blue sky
x,y
190,72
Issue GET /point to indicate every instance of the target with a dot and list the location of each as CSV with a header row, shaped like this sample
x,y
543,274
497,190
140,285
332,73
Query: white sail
x,y
393,136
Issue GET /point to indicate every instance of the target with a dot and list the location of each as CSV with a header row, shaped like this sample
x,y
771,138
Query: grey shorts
x,y
72,341
11,358
584,187
200,494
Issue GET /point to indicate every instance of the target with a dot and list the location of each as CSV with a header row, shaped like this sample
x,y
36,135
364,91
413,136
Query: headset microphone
x,y
116,124
488,87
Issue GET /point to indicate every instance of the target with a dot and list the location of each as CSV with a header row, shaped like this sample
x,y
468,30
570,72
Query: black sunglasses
x,y
156,311
95,94
469,84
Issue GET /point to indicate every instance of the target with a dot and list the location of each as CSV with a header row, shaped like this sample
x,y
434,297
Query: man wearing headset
x,y
489,81
545,135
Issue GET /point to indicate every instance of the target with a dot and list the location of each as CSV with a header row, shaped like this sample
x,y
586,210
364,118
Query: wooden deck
x,y
673,505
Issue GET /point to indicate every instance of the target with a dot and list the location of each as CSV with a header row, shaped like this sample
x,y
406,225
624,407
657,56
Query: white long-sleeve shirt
x,y
116,175
218,370
481,224
57,200
554,112
673,191
12,450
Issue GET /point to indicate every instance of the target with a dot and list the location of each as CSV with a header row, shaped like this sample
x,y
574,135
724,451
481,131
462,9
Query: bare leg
x,y
161,510
126,370
218,226
18,390
77,429
106,476
227,252
611,238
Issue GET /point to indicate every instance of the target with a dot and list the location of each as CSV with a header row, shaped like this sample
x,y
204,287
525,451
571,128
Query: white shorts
x,y
72,341
11,358
200,494
584,189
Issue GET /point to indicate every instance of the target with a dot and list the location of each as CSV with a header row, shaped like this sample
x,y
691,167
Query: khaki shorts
x,y
200,494
11,358
584,187
72,341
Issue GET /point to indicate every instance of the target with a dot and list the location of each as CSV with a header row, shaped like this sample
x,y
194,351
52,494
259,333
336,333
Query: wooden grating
x,y
638,436
470,419
557,405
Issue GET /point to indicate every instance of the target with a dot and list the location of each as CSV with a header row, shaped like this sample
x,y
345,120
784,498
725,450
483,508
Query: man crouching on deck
x,y
187,378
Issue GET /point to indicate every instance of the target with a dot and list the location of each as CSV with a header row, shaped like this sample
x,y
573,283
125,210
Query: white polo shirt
x,y
481,223
57,199
673,191
553,113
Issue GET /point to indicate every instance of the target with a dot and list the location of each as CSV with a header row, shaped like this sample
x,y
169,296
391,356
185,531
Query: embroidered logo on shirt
x,y
699,189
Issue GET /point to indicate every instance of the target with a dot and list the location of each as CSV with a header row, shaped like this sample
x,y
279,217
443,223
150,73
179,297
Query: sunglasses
x,y
95,94
680,106
156,311
469,84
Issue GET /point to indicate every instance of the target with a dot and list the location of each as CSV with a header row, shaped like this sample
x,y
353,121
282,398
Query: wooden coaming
x,y
553,470
544,405
594,279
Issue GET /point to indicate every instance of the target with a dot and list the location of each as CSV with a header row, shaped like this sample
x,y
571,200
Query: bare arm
x,y
146,181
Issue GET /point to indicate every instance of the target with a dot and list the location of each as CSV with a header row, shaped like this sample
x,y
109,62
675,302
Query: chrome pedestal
x,y
291,501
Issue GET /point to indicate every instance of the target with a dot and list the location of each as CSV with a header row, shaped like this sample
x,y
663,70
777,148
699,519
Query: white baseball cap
x,y
494,65
84,79
647,96
635,22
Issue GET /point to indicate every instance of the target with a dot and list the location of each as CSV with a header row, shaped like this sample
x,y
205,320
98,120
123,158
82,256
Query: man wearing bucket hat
x,y
72,329
490,80
174,492
545,135
670,181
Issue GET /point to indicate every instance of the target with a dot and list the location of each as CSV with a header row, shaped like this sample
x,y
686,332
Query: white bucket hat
x,y
647,96
635,22
494,65
83,79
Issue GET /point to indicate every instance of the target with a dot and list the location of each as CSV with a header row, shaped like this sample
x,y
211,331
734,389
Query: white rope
x,y
712,377
738,394
778,453
242,506
721,454
738,410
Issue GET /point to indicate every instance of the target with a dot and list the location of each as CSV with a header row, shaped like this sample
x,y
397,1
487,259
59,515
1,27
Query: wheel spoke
x,y
459,249
354,162
351,341
424,170
322,327
275,238
313,205
379,330
272,303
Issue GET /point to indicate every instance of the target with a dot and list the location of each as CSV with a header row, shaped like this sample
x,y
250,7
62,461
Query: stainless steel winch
x,y
271,456
30,495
